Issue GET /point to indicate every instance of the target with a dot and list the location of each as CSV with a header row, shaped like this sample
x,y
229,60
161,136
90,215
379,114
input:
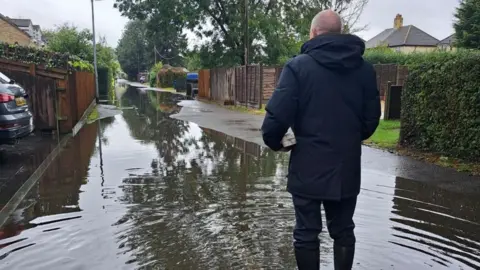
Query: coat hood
x,y
340,52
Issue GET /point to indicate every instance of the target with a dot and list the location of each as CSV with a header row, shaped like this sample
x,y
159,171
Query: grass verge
x,y
171,89
247,110
386,136
443,161
93,116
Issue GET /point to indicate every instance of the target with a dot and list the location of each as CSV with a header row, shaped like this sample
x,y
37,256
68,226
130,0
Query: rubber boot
x,y
343,257
307,259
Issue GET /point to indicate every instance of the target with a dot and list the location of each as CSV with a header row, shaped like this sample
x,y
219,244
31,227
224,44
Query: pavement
x,y
247,127
19,161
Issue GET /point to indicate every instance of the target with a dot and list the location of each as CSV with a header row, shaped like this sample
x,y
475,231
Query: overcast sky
x,y
433,16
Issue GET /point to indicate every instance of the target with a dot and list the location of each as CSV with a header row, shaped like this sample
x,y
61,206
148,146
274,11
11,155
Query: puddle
x,y
141,190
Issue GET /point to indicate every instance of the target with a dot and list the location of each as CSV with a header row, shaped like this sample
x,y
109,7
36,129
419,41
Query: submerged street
x,y
143,190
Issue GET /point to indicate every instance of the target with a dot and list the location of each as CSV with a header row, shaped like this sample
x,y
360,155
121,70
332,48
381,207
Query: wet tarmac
x,y
19,161
163,193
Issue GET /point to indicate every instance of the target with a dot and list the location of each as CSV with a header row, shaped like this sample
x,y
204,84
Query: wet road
x,y
166,194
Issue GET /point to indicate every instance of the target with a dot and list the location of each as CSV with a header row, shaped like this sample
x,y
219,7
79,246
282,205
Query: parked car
x,y
6,80
16,120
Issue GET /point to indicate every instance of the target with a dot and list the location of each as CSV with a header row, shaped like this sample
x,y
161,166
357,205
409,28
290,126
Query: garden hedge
x,y
441,104
43,57
167,75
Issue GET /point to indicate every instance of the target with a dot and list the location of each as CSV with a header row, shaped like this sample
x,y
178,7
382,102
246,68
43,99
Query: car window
x,y
4,90
4,79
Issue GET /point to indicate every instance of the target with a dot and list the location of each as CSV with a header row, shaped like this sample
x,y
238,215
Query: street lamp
x,y
95,52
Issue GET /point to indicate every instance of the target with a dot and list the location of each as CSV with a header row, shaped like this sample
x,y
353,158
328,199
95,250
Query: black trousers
x,y
339,217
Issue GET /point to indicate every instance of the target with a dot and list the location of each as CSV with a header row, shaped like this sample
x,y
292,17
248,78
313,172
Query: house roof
x,y
9,21
21,22
448,40
36,27
408,35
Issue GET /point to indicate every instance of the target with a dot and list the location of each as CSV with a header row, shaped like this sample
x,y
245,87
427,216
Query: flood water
x,y
166,194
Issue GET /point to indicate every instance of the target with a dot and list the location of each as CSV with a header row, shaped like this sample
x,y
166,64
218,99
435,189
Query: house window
x,y
397,49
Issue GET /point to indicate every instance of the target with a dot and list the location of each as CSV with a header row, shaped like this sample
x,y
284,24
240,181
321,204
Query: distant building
x,y
447,44
11,33
33,30
402,38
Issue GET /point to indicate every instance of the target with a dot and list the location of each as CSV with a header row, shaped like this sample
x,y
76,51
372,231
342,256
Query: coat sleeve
x,y
281,109
372,106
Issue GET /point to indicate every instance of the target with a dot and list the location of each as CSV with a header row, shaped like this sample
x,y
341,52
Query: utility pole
x,y
155,53
246,33
246,53
95,53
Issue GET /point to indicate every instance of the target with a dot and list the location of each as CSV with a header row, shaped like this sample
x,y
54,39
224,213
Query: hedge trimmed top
x,y
43,57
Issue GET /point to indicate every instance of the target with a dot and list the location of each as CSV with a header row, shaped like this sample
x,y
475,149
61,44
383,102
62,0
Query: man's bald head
x,y
327,21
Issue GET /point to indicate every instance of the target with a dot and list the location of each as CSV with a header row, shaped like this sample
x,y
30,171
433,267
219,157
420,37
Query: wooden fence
x,y
204,83
390,73
228,86
222,85
57,98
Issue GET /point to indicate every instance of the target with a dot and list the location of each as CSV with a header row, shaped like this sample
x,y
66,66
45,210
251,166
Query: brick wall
x,y
11,34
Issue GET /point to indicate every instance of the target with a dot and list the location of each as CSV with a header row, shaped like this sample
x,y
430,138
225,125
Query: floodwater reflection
x,y
167,194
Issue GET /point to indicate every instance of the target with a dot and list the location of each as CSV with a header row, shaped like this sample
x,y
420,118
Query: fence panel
x,y
85,92
249,94
53,93
204,83
385,73
240,92
41,96
269,82
222,84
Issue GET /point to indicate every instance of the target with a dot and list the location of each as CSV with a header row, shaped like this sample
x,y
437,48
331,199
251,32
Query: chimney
x,y
398,22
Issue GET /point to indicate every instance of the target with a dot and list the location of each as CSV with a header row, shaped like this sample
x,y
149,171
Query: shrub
x,y
153,73
167,75
42,57
389,56
441,104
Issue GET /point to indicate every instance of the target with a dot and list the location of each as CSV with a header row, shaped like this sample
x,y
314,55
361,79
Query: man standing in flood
x,y
328,95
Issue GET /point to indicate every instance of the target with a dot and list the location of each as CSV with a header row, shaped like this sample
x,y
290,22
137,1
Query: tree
x,y
69,39
193,61
145,41
275,27
467,25
132,49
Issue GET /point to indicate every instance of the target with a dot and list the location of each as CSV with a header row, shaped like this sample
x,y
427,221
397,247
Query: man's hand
x,y
286,149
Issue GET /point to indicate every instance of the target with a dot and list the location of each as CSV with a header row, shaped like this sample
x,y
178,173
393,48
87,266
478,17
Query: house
x,y
402,38
37,35
447,44
11,33
33,30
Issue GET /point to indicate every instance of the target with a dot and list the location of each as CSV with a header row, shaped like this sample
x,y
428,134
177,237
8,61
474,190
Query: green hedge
x,y
389,56
441,104
43,57
167,76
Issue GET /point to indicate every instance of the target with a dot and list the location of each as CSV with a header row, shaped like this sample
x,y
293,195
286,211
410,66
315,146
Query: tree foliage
x,y
276,28
467,25
145,40
69,39
132,49
440,111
